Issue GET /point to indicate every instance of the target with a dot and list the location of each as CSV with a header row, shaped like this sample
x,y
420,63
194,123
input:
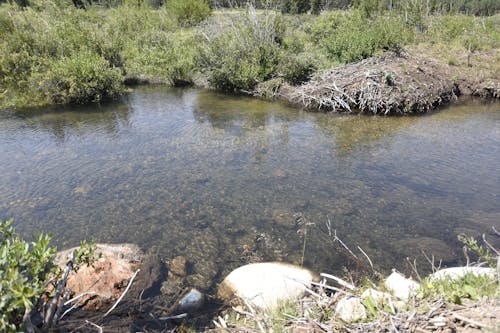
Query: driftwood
x,y
390,84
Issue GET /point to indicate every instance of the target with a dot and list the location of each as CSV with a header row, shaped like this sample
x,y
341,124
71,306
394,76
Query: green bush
x,y
349,36
297,68
24,269
240,54
81,78
170,59
189,12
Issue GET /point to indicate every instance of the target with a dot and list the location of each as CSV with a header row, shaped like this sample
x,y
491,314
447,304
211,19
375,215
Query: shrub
x,y
239,54
24,269
349,36
297,69
316,6
189,12
81,78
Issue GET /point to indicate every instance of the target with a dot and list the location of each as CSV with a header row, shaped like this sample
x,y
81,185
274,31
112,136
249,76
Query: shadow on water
x,y
226,180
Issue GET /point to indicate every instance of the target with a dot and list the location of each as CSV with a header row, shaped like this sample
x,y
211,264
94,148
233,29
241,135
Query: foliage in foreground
x,y
25,271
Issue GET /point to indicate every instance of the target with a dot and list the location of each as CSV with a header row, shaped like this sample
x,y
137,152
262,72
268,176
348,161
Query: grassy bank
x,y
52,52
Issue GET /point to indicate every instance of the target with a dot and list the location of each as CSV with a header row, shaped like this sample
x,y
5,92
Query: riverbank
x,y
59,54
280,297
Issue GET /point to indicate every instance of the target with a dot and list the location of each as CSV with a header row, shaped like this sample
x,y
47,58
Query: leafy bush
x,y
24,268
239,54
81,78
189,12
297,69
349,36
25,272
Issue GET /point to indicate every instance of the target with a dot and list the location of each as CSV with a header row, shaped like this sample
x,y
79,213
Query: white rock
x,y
350,309
191,301
455,273
400,286
378,297
266,285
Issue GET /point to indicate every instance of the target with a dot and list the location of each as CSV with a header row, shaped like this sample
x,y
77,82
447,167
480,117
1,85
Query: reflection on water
x,y
225,180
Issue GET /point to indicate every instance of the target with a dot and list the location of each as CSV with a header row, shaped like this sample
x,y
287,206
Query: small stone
x,y
438,321
350,309
377,296
400,286
190,302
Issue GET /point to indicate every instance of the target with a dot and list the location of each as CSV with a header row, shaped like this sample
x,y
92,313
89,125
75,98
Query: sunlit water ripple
x,y
223,180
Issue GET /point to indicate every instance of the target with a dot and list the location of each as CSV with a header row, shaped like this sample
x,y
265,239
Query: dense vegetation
x,y
26,270
55,51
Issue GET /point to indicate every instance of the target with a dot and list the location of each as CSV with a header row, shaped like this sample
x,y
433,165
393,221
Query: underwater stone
x,y
190,302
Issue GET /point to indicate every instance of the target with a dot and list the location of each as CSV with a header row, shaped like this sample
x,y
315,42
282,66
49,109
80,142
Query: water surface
x,y
226,180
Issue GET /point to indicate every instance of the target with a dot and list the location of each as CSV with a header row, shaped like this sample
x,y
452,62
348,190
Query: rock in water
x,y
455,273
350,309
400,286
266,285
190,302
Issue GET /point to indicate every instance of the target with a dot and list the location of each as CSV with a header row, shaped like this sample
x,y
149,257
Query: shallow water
x,y
226,180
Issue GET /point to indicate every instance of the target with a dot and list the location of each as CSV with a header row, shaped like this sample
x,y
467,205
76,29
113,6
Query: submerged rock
x,y
350,309
455,273
400,286
190,302
266,285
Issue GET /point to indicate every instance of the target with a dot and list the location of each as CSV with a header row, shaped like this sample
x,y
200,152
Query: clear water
x,y
224,180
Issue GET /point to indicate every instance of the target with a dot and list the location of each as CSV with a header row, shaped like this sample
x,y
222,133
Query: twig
x,y
123,294
30,328
78,297
490,246
495,231
471,321
182,315
49,316
61,305
367,257
339,281
99,328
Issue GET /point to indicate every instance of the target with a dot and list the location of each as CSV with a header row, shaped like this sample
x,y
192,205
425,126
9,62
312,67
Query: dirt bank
x,y
411,82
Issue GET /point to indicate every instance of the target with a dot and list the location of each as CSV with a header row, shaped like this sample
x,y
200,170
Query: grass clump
x,y
457,290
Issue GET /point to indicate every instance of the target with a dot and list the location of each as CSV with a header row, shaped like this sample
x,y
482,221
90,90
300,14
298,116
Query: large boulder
x,y
455,273
266,285
107,278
